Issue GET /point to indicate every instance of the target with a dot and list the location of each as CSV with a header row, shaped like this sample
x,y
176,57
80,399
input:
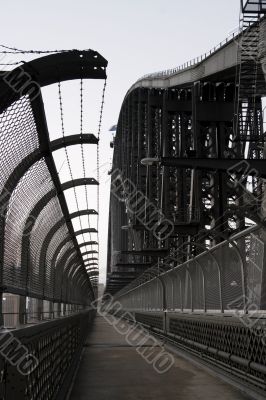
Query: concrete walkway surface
x,y
112,369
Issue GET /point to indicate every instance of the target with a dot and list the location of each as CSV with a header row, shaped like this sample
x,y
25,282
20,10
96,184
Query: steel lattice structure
x,y
189,149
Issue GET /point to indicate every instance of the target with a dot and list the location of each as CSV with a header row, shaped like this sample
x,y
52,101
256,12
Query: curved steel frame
x,y
51,233
45,71
87,230
90,252
89,243
35,212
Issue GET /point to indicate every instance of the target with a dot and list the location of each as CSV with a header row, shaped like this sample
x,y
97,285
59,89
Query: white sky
x,y
136,37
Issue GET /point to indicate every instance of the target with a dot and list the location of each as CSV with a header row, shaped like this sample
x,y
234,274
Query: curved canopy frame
x,y
89,243
20,98
90,252
87,230
47,70
35,212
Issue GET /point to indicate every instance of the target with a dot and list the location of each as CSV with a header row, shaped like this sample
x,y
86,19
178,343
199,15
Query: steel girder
x,y
188,134
252,167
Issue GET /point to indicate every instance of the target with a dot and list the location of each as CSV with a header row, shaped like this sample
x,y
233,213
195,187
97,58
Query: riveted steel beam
x,y
252,167
146,252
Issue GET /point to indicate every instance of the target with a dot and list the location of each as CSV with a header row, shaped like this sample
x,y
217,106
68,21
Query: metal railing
x,y
253,6
225,278
193,62
35,311
38,362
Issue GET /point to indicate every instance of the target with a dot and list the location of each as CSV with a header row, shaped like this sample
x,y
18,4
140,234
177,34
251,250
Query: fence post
x,y
40,309
22,318
203,285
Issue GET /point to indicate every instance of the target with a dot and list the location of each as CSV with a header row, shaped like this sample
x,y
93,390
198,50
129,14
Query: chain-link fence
x,y
41,264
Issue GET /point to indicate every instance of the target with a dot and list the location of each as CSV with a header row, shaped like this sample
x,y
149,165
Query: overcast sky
x,y
135,36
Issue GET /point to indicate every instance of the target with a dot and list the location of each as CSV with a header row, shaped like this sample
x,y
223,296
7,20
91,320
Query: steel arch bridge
x,y
186,242
188,166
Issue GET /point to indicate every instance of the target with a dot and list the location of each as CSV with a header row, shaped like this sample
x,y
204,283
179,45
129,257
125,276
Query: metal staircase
x,y
248,76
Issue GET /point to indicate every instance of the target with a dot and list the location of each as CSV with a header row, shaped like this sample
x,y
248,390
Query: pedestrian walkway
x,y
111,369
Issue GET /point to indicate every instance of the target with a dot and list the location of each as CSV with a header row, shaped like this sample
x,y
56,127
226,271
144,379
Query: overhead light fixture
x,y
126,227
149,161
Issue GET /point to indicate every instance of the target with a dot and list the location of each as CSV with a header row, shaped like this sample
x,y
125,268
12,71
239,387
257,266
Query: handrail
x,y
234,237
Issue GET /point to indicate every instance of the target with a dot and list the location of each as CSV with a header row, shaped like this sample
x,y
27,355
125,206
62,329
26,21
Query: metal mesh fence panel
x,y
66,283
168,282
47,218
31,188
255,271
227,278
29,208
186,288
211,272
177,291
231,276
18,137
59,269
60,235
197,281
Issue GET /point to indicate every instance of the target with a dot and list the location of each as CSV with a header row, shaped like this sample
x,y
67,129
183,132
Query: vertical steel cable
x,y
98,163
82,153
66,152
